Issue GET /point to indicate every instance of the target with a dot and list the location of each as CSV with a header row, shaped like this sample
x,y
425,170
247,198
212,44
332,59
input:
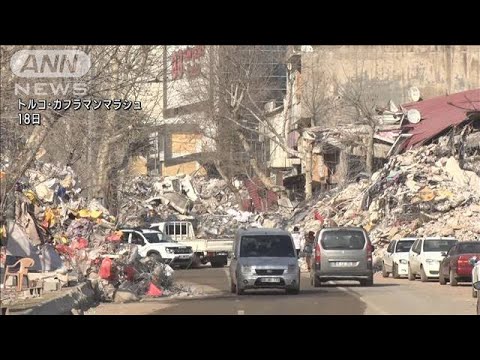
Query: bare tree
x,y
316,97
233,88
96,142
360,102
316,102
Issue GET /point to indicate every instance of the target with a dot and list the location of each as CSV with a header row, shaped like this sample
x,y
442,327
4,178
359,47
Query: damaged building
x,y
315,81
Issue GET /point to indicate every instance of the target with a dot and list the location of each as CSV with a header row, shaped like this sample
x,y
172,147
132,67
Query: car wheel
x,y
239,291
411,276
384,271
367,282
395,272
233,287
441,278
423,276
217,264
196,261
293,291
474,293
453,279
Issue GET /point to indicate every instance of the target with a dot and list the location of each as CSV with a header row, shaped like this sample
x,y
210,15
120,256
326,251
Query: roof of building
x,y
440,113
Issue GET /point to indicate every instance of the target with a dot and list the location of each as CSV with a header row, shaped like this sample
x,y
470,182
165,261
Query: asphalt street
x,y
387,297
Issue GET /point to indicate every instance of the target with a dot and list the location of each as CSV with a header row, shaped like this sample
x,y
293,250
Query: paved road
x,y
387,296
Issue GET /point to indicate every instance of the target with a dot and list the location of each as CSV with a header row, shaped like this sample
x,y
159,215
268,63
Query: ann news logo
x,y
51,64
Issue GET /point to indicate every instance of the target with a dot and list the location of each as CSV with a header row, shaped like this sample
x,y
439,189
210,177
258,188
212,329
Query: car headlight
x,y
190,250
169,251
402,261
246,269
431,261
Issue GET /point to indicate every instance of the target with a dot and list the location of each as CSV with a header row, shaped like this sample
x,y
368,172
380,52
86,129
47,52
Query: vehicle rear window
x,y
343,240
404,246
438,245
468,248
266,245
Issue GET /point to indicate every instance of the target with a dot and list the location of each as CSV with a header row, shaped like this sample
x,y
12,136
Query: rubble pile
x,y
208,202
122,276
422,192
336,207
73,240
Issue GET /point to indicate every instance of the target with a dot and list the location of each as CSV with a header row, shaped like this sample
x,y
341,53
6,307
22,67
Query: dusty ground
x,y
387,297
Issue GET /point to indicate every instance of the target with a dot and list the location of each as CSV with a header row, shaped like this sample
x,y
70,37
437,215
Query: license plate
x,y
271,280
184,256
343,264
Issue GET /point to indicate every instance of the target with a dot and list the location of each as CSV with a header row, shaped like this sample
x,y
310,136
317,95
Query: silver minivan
x,y
342,253
264,258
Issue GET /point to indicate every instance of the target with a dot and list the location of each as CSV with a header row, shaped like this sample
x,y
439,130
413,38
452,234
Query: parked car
x,y
342,253
264,258
456,267
476,281
425,256
475,262
154,244
477,287
395,259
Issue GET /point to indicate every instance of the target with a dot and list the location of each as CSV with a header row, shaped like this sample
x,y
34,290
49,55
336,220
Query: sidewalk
x,y
62,302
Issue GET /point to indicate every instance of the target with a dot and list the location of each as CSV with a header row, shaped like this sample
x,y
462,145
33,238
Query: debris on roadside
x,y
422,192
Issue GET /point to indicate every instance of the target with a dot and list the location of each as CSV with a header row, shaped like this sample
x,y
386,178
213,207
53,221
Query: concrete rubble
x,y
207,202
422,192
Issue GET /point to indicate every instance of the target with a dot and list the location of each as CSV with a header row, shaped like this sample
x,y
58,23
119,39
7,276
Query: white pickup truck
x,y
215,251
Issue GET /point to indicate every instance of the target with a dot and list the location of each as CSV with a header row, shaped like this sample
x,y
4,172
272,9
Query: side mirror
x,y
444,253
476,285
472,261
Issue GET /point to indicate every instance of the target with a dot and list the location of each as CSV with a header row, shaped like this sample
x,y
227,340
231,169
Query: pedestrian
x,y
308,248
298,239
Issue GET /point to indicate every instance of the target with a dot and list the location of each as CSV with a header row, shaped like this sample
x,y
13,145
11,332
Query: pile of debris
x,y
119,274
71,240
208,202
423,192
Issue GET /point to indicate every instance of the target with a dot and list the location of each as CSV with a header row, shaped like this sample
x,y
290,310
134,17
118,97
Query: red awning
x,y
440,113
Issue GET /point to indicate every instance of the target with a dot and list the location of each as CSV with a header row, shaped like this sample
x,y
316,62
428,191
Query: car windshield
x,y
469,248
404,246
343,240
266,246
438,245
156,237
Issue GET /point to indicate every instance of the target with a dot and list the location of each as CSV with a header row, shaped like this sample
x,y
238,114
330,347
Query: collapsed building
x,y
428,183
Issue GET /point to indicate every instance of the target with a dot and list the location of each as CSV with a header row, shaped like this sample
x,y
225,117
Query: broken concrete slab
x,y
462,177
79,297
124,296
179,202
